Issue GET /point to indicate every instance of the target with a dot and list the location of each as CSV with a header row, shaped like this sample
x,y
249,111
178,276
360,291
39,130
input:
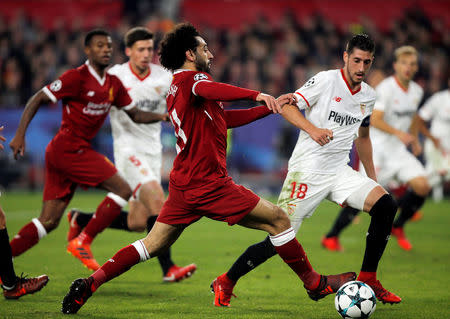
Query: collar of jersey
x,y
95,74
180,70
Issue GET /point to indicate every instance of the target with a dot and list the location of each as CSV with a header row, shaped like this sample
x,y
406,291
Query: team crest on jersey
x,y
200,76
362,106
111,94
56,86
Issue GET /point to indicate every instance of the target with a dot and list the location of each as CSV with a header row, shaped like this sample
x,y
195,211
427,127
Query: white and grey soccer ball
x,y
355,299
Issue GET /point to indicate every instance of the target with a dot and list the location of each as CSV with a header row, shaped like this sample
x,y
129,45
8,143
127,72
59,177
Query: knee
x,y
423,189
50,223
386,204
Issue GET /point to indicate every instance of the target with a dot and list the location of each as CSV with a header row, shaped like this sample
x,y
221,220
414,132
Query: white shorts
x,y
397,164
138,168
436,161
303,192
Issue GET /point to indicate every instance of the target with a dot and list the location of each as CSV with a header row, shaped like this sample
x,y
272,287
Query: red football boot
x,y
329,285
382,294
331,243
402,241
222,288
79,293
83,253
176,273
25,286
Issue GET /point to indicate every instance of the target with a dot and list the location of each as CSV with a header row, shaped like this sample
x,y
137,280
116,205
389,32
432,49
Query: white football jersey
x,y
329,103
149,94
399,106
437,110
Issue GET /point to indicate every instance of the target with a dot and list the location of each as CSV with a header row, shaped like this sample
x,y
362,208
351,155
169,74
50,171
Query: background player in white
x,y
437,147
137,147
337,106
395,128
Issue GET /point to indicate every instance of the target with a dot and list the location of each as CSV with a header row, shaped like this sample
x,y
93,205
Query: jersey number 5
x,y
179,133
300,191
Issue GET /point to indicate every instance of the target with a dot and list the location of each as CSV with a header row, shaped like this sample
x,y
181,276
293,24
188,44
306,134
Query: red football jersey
x,y
201,130
87,99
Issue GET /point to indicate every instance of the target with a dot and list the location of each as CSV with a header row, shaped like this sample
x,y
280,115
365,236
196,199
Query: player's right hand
x,y
165,117
2,139
269,101
321,136
405,138
17,145
287,98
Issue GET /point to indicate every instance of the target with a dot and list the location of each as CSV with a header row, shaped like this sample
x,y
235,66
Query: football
x,y
355,299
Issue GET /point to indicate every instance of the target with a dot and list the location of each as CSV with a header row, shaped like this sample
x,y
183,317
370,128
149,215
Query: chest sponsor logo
x,y
342,119
96,109
90,93
148,105
56,86
111,94
200,76
404,113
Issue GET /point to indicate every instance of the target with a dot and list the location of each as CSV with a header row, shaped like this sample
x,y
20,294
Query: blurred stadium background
x,y
268,45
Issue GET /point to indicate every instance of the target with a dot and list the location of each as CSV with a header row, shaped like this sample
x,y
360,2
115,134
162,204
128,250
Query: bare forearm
x,y
29,112
364,148
293,116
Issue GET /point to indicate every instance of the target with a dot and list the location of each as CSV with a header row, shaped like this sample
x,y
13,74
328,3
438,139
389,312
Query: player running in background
x,y
396,106
337,105
13,287
138,148
437,147
87,93
199,183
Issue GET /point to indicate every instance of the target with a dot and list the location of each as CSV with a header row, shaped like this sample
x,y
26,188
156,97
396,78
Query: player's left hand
x,y
165,117
269,101
416,148
287,98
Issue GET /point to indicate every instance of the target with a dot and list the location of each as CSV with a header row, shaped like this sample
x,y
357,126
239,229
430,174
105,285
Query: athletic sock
x,y
106,212
165,258
254,256
293,254
367,276
345,217
27,237
120,222
382,213
123,260
7,274
410,203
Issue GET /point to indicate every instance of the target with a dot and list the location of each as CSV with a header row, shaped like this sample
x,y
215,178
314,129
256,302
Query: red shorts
x,y
69,161
229,202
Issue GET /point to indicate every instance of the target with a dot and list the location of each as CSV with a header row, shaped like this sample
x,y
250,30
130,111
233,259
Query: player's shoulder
x,y
368,91
117,69
416,87
387,84
77,72
191,76
159,69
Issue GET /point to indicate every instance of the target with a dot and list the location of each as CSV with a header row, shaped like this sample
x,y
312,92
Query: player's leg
x,y
161,237
331,240
372,198
30,234
14,287
411,202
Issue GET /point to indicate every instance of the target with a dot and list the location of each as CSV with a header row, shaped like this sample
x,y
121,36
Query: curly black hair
x,y
93,33
172,53
360,41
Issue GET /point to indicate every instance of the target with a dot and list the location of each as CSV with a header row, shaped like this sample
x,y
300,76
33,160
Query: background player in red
x,y
13,287
199,182
87,93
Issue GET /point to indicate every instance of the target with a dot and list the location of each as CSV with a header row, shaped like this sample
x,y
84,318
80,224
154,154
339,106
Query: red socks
x,y
366,276
123,260
27,237
293,254
106,212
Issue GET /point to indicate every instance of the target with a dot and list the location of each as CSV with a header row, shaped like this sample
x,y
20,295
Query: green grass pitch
x,y
420,277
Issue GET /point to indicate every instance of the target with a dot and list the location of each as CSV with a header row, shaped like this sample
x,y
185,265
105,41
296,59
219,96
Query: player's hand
x,y
321,136
287,98
405,138
269,101
165,117
17,145
2,139
416,148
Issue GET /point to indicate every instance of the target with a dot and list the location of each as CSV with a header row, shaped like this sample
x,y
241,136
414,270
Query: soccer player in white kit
x,y
137,147
337,105
395,128
437,147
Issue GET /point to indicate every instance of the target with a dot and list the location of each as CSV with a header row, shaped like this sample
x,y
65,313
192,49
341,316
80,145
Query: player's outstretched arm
x,y
17,143
140,116
293,115
422,127
377,121
363,146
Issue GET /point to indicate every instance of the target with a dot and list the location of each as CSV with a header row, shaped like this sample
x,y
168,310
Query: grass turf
x,y
272,290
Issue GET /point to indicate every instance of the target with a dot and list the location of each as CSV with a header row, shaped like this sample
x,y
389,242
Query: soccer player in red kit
x,y
87,93
199,182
